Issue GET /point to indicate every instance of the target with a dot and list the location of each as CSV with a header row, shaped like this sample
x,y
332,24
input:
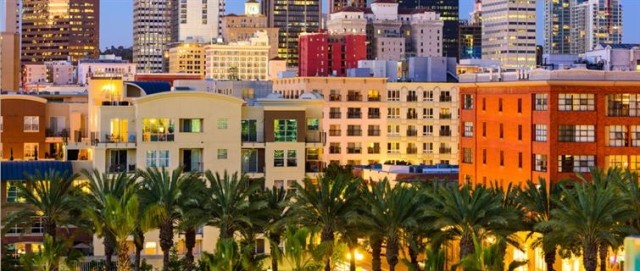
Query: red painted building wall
x,y
321,54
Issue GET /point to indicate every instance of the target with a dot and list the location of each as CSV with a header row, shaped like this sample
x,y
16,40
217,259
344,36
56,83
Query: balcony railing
x,y
412,98
445,98
354,115
313,137
123,167
373,132
445,150
335,115
335,97
51,133
157,137
374,115
354,150
445,132
373,150
354,132
334,132
445,116
314,166
115,103
412,132
412,150
354,98
333,149
373,98
412,116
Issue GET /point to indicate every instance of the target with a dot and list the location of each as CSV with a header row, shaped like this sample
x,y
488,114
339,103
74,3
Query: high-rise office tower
x,y
60,30
10,48
594,22
557,26
448,10
151,34
509,32
470,34
198,20
336,5
292,17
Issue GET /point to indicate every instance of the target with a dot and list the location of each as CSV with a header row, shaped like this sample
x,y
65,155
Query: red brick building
x,y
547,124
321,54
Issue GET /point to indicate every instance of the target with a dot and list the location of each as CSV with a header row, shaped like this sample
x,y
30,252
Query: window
x,y
249,131
484,156
576,163
373,96
158,159
617,136
37,226
576,102
292,160
374,148
427,147
500,105
540,101
484,129
30,150
278,158
354,113
427,130
577,133
313,124
635,163
501,130
468,129
484,104
467,101
393,130
411,96
393,147
31,124
466,155
393,95
223,123
334,147
520,160
157,129
374,113
285,130
519,105
354,96
540,132
1,123
623,105
191,125
411,113
335,96
354,130
12,192
373,130
501,158
616,161
354,148
540,162
334,113
519,132
635,135
334,130
427,96
222,153
427,113
393,113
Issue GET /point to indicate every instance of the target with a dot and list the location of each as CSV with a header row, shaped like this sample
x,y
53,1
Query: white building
x,y
509,32
615,57
105,66
151,34
243,60
198,20
594,22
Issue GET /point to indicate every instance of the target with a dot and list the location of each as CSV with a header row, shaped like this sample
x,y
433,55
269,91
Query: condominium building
x,y
243,60
336,5
60,30
509,32
557,26
48,73
242,27
187,57
10,48
107,66
547,124
322,54
594,22
151,35
292,17
470,40
196,20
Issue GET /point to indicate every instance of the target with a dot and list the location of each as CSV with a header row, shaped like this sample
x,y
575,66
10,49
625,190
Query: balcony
x,y
114,141
314,137
335,115
411,132
354,98
354,150
412,116
374,115
118,168
313,166
445,98
445,132
412,98
335,97
373,150
158,137
51,133
373,132
354,115
115,103
412,150
335,132
445,116
444,150
373,98
334,149
354,132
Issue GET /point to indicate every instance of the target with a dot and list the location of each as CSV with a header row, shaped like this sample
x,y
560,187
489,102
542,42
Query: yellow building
x,y
187,57
243,60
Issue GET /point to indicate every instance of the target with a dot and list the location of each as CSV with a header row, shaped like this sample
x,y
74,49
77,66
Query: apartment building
x,y
547,124
243,60
187,57
242,27
322,54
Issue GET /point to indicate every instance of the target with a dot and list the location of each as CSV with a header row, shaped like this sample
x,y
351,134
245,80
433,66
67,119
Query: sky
x,y
116,19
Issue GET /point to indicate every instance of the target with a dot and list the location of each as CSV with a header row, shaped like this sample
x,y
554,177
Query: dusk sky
x,y
116,20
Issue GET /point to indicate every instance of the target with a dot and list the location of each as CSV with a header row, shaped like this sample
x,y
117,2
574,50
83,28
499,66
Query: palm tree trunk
x,y
550,258
190,243
590,257
604,251
392,253
376,250
124,263
413,255
352,261
466,245
50,227
109,248
166,242
275,241
138,240
327,237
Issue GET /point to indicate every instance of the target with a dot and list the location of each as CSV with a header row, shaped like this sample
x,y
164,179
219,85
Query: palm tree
x,y
462,212
630,190
194,215
50,255
226,257
230,202
537,199
99,186
327,205
299,252
162,193
592,214
278,200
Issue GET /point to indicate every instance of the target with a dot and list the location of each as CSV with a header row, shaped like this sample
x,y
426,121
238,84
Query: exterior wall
x,y
601,148
196,20
151,34
34,73
240,28
322,54
14,136
86,70
389,48
187,58
9,61
313,58
508,32
470,41
241,60
347,22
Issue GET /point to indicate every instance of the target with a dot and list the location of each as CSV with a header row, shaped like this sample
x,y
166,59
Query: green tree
x,y
49,257
163,192
299,252
327,205
194,215
226,257
278,200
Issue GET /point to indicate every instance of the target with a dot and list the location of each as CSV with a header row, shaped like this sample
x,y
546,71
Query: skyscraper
x,y
196,20
448,10
10,48
594,22
151,34
336,5
292,17
470,34
60,30
557,26
509,32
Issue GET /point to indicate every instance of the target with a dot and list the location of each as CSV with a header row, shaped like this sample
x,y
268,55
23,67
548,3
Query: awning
x,y
17,170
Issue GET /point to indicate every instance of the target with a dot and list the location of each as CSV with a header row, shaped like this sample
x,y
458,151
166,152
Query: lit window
x,y
191,125
540,133
468,129
31,124
222,153
285,130
576,163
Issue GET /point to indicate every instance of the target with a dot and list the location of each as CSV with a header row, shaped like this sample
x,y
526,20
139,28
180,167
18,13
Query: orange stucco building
x,y
547,124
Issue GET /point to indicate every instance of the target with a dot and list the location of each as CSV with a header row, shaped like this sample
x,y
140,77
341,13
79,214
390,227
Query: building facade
x,y
244,60
151,35
292,18
448,10
10,48
242,27
595,22
509,32
547,124
336,5
557,26
470,40
196,20
60,30
322,54
187,57
104,67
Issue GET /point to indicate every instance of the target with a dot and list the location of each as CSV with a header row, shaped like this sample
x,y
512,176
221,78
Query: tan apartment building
x,y
236,28
187,57
243,60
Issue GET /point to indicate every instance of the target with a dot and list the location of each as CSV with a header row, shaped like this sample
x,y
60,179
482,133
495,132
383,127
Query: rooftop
x,y
579,75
